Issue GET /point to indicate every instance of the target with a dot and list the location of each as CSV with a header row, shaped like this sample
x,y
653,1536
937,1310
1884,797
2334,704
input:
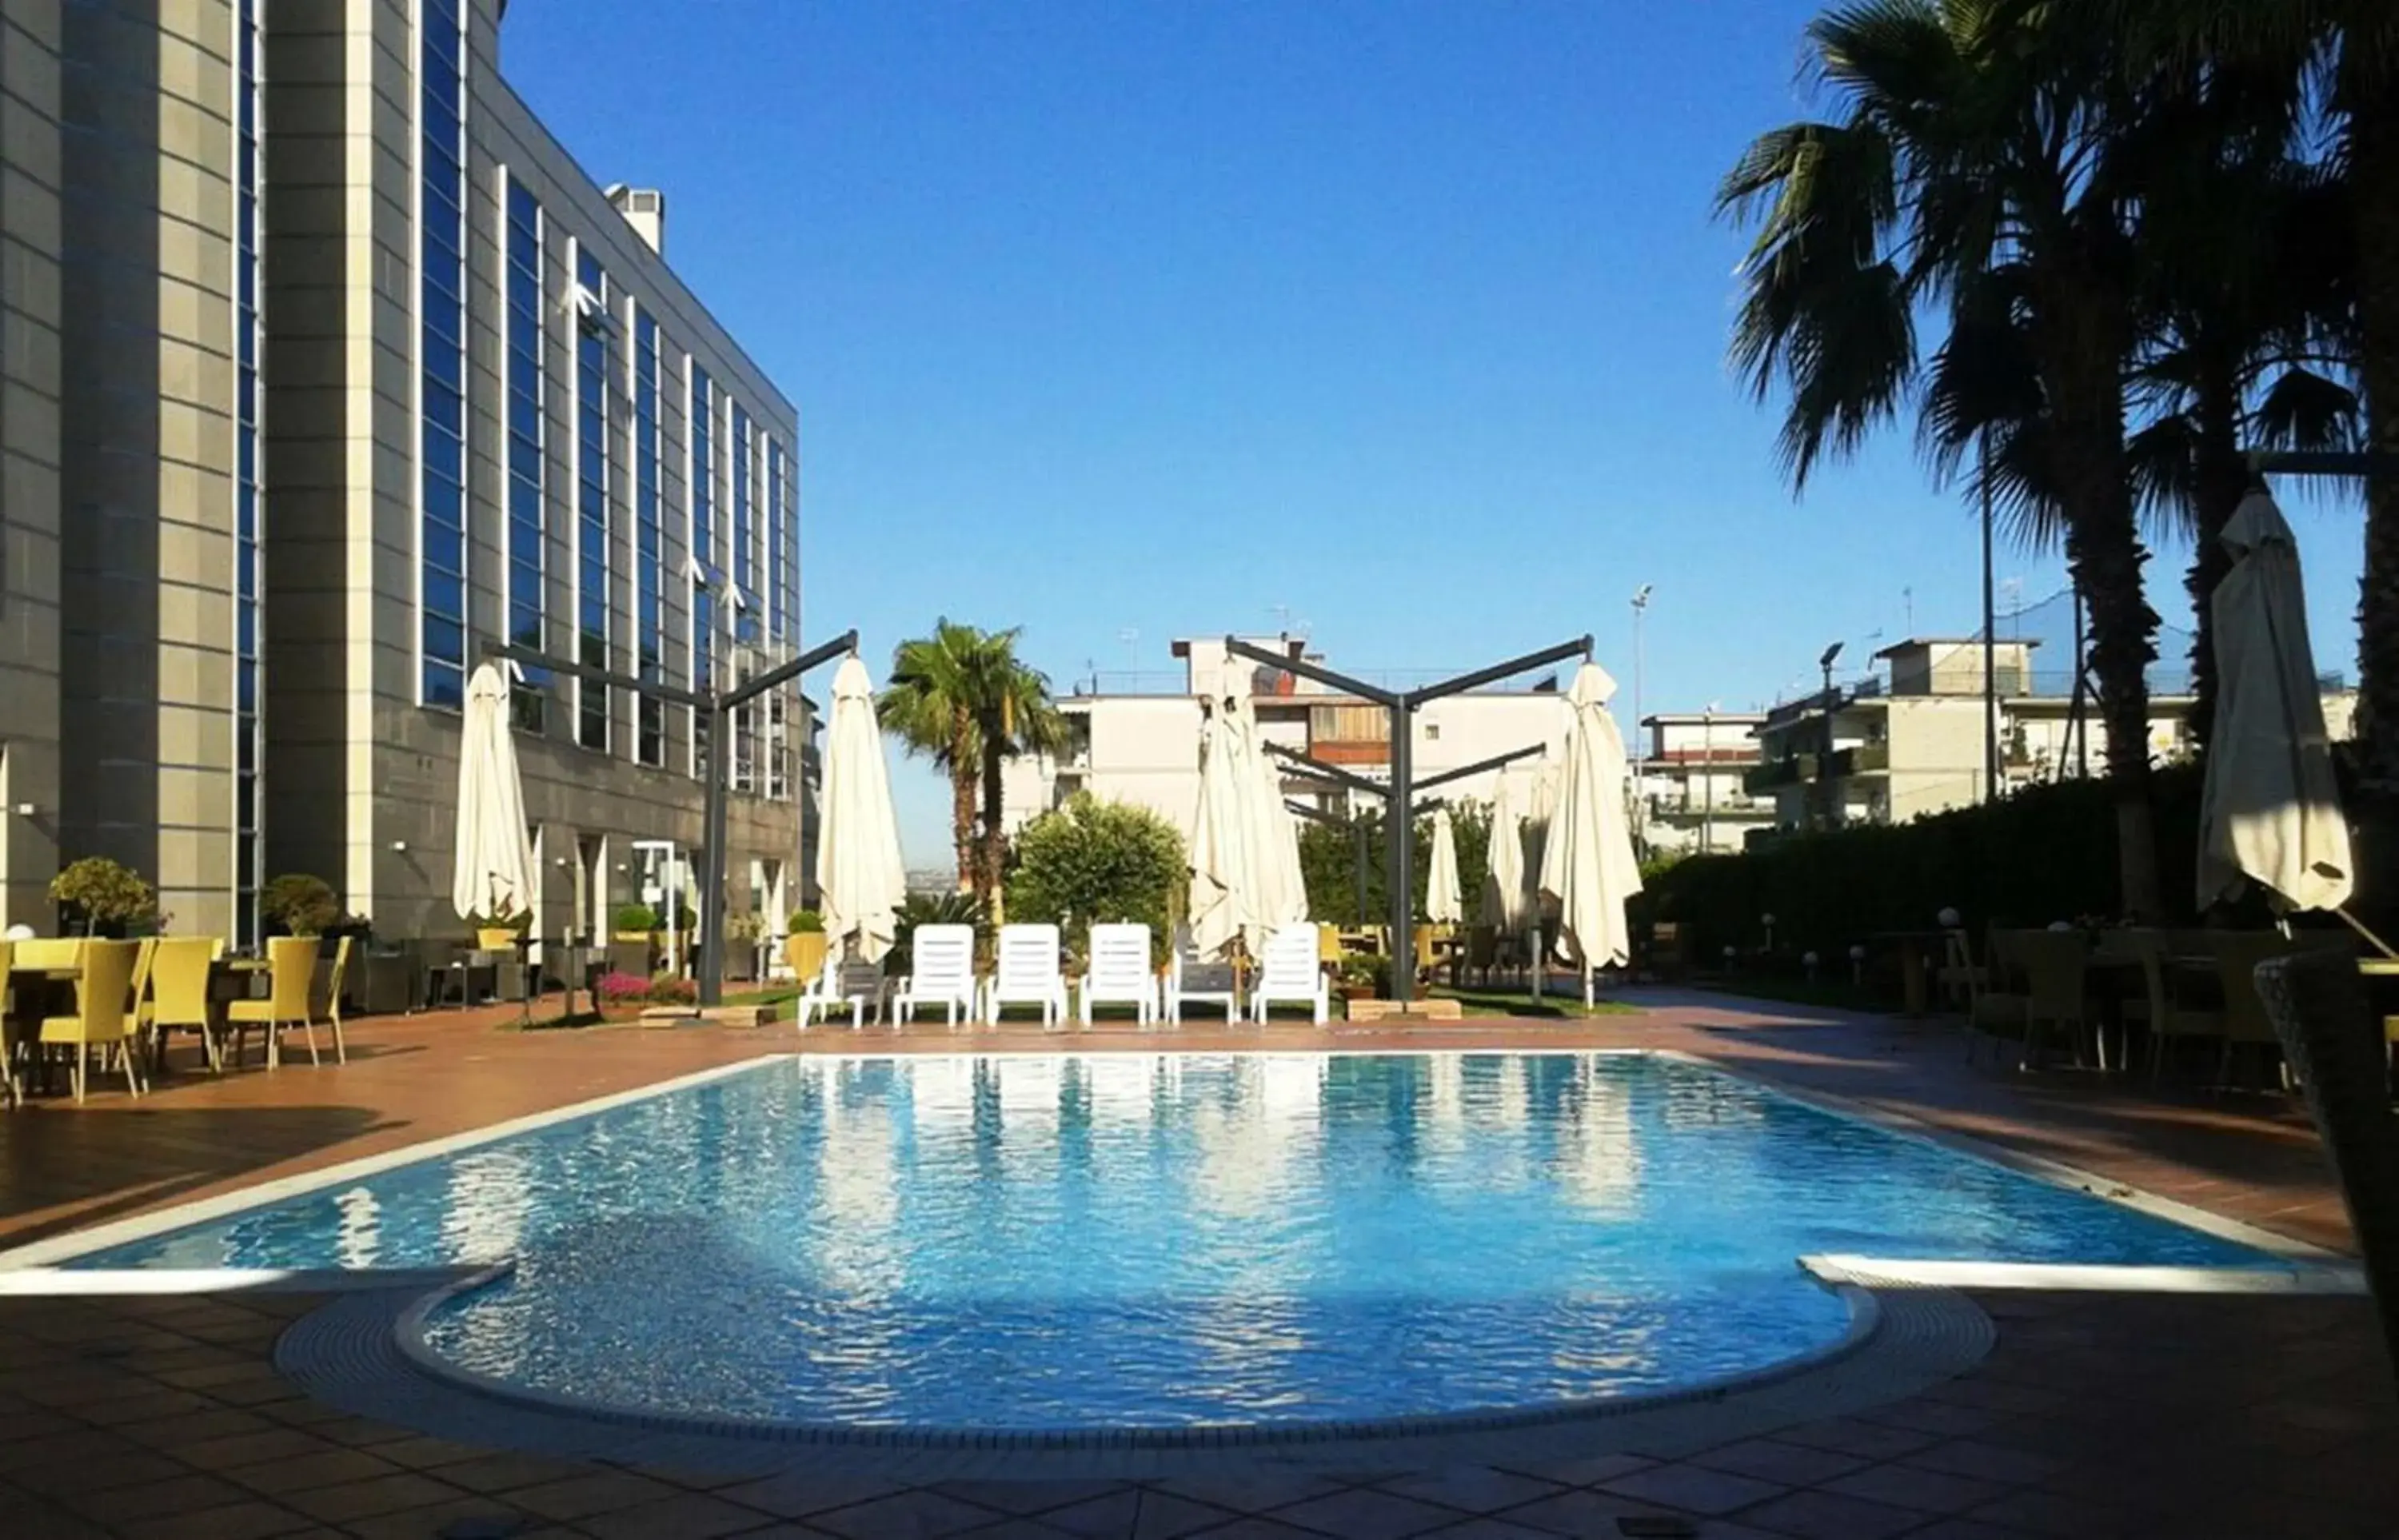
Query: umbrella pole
x,y
2359,925
1401,814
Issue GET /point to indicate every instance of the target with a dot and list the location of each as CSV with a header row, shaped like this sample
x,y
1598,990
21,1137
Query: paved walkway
x,y
2097,1415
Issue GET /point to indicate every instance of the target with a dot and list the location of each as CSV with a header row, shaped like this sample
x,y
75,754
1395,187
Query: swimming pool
x,y
1137,1240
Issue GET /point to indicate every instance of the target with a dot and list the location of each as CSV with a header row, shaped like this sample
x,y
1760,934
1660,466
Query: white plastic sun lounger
x,y
940,972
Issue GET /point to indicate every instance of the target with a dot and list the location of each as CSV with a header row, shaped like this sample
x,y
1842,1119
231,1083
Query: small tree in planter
x,y
104,896
743,933
805,948
635,921
499,931
298,904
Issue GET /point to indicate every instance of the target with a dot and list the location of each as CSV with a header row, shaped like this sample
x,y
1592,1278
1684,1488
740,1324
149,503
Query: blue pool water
x,y
1155,1240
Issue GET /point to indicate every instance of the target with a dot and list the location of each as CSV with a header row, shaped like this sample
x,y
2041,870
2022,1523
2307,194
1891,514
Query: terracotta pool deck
x,y
2098,1414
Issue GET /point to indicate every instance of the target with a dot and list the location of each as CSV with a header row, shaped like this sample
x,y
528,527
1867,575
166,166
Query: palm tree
x,y
1978,171
2245,261
928,705
963,698
2338,60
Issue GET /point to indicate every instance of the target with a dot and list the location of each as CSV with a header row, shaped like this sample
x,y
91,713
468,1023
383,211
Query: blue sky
x,y
1405,321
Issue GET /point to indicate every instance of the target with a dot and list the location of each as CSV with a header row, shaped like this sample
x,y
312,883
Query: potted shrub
x,y
1359,978
298,904
743,934
635,921
104,896
805,947
499,932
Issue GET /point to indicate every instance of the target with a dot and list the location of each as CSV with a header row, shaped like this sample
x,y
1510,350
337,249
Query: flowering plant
x,y
669,990
619,988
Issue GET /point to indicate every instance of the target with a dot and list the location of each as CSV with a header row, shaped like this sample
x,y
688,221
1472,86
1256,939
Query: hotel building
x,y
365,374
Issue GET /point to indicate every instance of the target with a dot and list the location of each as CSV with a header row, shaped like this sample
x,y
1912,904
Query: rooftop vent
x,y
646,209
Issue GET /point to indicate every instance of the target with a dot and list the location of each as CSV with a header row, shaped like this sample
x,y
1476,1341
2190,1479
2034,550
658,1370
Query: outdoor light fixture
x,y
399,844
1950,919
25,810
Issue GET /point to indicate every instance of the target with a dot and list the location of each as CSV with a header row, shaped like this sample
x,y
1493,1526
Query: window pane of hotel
x,y
527,471
650,746
442,487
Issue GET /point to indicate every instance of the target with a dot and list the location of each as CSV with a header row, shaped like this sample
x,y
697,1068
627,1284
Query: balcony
x,y
1865,759
1790,771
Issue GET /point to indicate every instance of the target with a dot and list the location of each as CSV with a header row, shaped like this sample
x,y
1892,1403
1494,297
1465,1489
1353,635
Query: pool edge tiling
x,y
352,1354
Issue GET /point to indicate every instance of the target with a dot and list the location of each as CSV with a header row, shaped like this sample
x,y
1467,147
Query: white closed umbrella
x,y
1282,884
1587,861
1443,904
492,867
861,880
1502,904
2269,811
1245,876
1222,886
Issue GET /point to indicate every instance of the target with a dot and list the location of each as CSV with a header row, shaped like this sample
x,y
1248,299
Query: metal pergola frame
x,y
1401,705
1317,771
720,705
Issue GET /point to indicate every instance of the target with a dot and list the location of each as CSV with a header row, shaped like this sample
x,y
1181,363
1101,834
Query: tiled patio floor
x,y
2097,1415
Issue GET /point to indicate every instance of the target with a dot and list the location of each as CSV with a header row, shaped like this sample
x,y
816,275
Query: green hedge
x,y
2046,854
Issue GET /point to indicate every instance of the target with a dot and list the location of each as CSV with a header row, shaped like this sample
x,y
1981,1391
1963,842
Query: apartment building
x,y
31,307
1911,740
1692,772
1141,745
364,375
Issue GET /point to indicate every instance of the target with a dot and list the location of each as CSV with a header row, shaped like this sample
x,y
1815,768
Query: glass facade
x,y
527,365
442,350
782,548
748,624
701,429
591,497
248,745
649,557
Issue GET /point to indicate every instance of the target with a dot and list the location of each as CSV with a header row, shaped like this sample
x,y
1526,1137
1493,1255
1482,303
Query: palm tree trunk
x,y
2104,547
994,842
962,799
2222,479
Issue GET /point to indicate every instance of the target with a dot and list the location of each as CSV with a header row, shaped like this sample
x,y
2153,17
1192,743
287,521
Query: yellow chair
x,y
2056,965
8,1036
101,1019
1328,947
292,976
50,951
333,1011
179,999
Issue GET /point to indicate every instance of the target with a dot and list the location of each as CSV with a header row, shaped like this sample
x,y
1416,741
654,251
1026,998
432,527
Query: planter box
x,y
1415,1010
716,1016
805,950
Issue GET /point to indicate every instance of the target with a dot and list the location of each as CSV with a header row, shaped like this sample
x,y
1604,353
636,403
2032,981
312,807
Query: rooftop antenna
x,y
1132,640
1282,618
1907,599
